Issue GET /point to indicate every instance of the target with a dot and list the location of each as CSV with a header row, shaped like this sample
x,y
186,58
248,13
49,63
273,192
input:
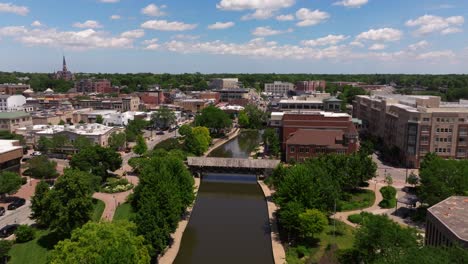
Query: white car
x,y
36,153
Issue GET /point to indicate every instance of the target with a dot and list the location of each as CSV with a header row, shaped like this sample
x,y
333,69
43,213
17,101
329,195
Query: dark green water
x,y
229,223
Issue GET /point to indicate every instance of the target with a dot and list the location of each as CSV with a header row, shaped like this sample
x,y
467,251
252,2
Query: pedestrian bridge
x,y
259,167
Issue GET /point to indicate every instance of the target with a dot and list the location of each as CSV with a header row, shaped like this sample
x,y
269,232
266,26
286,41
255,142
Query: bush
x,y
24,233
388,192
24,180
388,203
5,246
114,185
355,218
302,251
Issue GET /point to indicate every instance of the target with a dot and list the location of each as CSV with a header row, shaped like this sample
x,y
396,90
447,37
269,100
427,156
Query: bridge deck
x,y
232,163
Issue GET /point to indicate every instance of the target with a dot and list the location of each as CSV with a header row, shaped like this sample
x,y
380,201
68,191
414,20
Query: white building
x,y
122,119
278,88
12,102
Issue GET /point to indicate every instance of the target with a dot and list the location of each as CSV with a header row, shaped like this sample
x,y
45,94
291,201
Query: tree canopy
x,y
117,141
41,167
10,183
252,117
214,119
198,141
96,160
140,147
163,118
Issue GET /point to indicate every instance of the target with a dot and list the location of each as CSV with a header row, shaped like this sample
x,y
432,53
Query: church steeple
x,y
64,65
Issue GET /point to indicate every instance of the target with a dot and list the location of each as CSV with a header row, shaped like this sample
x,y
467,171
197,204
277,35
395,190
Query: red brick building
x,y
210,96
310,133
310,86
152,98
94,86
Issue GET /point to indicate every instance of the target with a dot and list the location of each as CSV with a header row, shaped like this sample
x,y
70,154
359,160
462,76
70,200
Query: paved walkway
x,y
279,254
113,200
171,252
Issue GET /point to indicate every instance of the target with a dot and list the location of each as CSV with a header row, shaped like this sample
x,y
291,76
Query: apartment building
x,y
13,88
305,134
12,102
317,101
224,83
446,223
310,86
131,103
234,96
10,121
278,88
93,86
416,125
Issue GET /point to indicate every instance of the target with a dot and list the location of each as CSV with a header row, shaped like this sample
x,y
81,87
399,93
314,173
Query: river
x,y
229,222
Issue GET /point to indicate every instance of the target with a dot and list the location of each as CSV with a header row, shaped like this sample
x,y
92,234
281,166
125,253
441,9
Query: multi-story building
x,y
317,101
415,125
192,105
310,86
278,88
306,134
93,86
11,153
13,88
224,83
447,222
10,121
131,103
208,95
12,102
152,97
234,96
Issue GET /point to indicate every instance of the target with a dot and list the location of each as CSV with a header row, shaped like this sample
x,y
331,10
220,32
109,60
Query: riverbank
x,y
221,141
279,254
171,252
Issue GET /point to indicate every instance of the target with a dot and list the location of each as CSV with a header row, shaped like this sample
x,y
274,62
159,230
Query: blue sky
x,y
212,36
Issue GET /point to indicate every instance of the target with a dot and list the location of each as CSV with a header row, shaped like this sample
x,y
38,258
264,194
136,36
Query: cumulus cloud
x,y
440,54
381,34
14,9
430,24
164,25
263,8
36,23
185,36
137,33
153,10
151,44
288,17
356,44
115,17
377,46
76,40
268,31
88,24
419,45
324,41
221,25
310,18
351,3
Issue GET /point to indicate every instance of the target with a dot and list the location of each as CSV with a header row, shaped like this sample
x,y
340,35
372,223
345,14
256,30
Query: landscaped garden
x,y
355,200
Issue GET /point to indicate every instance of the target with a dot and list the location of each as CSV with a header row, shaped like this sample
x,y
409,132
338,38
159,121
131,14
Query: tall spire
x,y
64,64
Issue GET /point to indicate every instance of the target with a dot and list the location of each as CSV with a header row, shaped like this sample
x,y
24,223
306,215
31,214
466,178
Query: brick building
x,y
278,88
10,121
310,86
13,88
94,86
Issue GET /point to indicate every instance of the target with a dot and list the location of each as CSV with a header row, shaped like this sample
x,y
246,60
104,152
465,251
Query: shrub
x,y
114,185
355,218
388,192
388,203
5,246
24,180
24,233
302,251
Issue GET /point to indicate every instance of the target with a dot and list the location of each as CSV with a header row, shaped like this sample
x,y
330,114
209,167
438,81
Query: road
x,y
18,216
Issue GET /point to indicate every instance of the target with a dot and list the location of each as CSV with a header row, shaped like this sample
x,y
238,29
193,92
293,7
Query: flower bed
x,y
116,185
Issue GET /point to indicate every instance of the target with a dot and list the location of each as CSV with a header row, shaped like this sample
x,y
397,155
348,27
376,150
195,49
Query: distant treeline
x,y
450,86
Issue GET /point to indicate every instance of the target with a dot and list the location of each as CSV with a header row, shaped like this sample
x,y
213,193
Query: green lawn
x,y
98,209
356,200
124,212
30,252
344,237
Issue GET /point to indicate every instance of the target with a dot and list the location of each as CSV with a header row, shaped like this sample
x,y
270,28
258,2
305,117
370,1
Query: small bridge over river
x,y
259,167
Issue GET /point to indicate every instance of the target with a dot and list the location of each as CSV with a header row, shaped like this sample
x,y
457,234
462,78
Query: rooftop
x,y
317,137
9,145
12,115
453,213
85,129
323,113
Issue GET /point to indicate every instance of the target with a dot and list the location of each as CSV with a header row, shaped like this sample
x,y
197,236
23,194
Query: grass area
x,y
124,212
98,209
32,250
356,200
344,237
170,144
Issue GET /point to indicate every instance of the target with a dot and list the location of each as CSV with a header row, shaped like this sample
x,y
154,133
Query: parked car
x,y
36,153
160,133
8,230
16,204
25,159
2,210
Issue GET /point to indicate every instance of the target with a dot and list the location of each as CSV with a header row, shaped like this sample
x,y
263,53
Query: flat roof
x,y
11,115
85,129
8,145
453,213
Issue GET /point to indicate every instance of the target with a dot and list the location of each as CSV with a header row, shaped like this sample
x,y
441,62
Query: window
x,y
461,120
306,150
301,150
292,149
438,119
425,119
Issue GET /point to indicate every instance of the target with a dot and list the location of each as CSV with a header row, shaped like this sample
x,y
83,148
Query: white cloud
x,y
164,25
109,1
36,23
150,41
151,44
288,17
419,45
153,10
88,24
185,37
356,44
310,18
429,24
221,25
263,8
115,17
324,41
351,3
137,33
381,34
14,9
268,31
377,46
76,40
440,54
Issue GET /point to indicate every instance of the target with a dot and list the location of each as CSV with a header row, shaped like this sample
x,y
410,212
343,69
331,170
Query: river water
x,y
229,223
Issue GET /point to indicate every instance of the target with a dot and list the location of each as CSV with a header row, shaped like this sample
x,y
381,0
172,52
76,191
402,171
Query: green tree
x,y
163,118
413,179
243,119
59,142
39,204
82,142
185,130
105,242
5,247
215,119
134,128
427,254
96,160
140,147
24,233
198,141
312,222
44,144
99,119
10,183
256,117
41,167
117,141
289,217
61,122
271,141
